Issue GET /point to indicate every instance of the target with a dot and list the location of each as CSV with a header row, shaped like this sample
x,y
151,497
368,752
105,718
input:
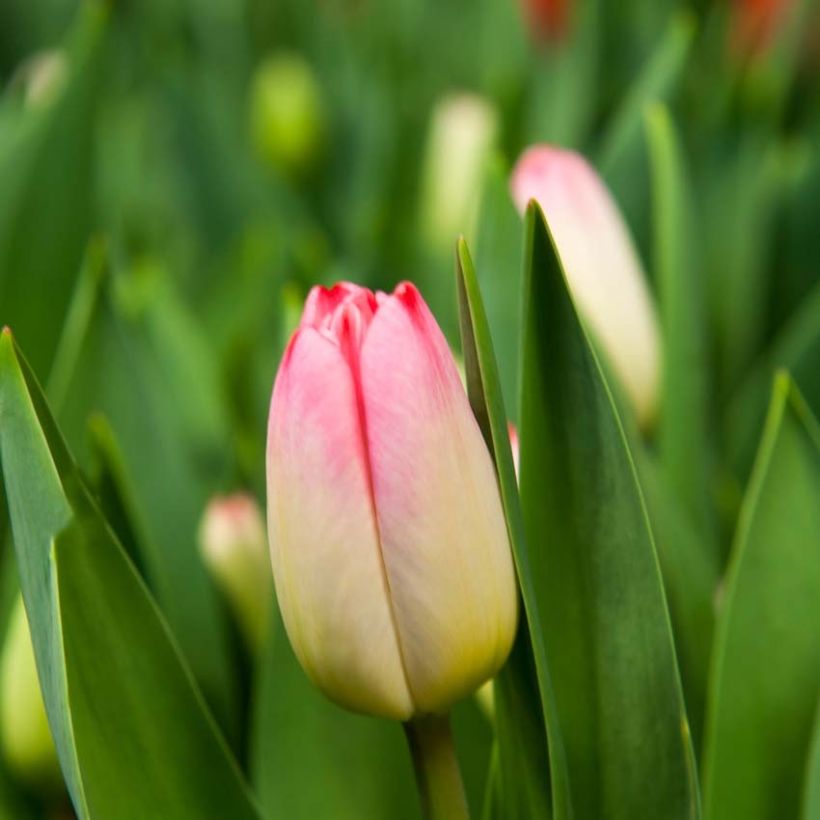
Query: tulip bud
x,y
463,133
27,743
755,23
388,541
547,18
601,264
287,123
41,77
233,544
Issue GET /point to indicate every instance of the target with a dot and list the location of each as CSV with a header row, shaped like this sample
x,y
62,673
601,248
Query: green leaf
x,y
517,695
683,435
796,349
678,491
311,759
498,266
523,788
114,496
46,200
811,788
766,660
621,155
594,568
173,449
691,571
133,735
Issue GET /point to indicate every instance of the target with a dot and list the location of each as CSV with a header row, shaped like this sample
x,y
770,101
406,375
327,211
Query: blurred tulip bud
x,y
41,77
463,132
233,544
287,120
547,19
601,264
755,23
27,744
389,546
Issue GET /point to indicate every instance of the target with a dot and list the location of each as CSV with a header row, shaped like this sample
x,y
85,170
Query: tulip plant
x,y
410,411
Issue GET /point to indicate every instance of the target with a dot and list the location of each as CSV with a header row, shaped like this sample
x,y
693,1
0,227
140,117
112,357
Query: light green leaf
x,y
594,568
683,440
134,737
521,701
679,490
766,660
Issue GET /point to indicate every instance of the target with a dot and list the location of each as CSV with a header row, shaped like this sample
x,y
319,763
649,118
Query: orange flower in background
x,y
548,19
755,23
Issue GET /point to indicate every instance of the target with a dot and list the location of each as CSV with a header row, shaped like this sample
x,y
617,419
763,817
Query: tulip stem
x,y
437,772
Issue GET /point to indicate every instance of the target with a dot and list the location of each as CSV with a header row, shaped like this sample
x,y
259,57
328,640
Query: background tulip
x,y
601,263
233,545
388,541
286,114
462,135
27,745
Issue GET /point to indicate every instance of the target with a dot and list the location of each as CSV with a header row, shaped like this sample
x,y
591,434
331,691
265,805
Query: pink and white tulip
x,y
233,546
601,264
389,547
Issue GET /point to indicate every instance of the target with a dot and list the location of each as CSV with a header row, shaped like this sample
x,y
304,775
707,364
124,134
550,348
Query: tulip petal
x,y
601,263
330,580
442,529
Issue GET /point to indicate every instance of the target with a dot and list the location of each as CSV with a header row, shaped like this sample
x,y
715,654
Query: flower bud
x,y
601,264
41,77
287,122
233,544
388,541
755,23
27,744
547,19
463,133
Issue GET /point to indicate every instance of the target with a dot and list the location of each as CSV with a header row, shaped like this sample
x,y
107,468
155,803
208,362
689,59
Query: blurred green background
x,y
175,174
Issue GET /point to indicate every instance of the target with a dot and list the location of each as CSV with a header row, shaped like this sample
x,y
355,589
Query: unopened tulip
x,y
287,117
27,745
389,547
233,544
601,264
463,132
755,23
547,19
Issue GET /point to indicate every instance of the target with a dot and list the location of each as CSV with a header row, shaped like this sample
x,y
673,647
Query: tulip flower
x,y
755,23
463,133
548,19
233,545
389,547
601,264
286,114
28,748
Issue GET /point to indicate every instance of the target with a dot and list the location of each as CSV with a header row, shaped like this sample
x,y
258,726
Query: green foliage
x,y
765,651
120,699
164,207
600,593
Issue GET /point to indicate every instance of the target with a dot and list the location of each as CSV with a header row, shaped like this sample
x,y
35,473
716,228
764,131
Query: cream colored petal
x,y
327,564
601,263
443,533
